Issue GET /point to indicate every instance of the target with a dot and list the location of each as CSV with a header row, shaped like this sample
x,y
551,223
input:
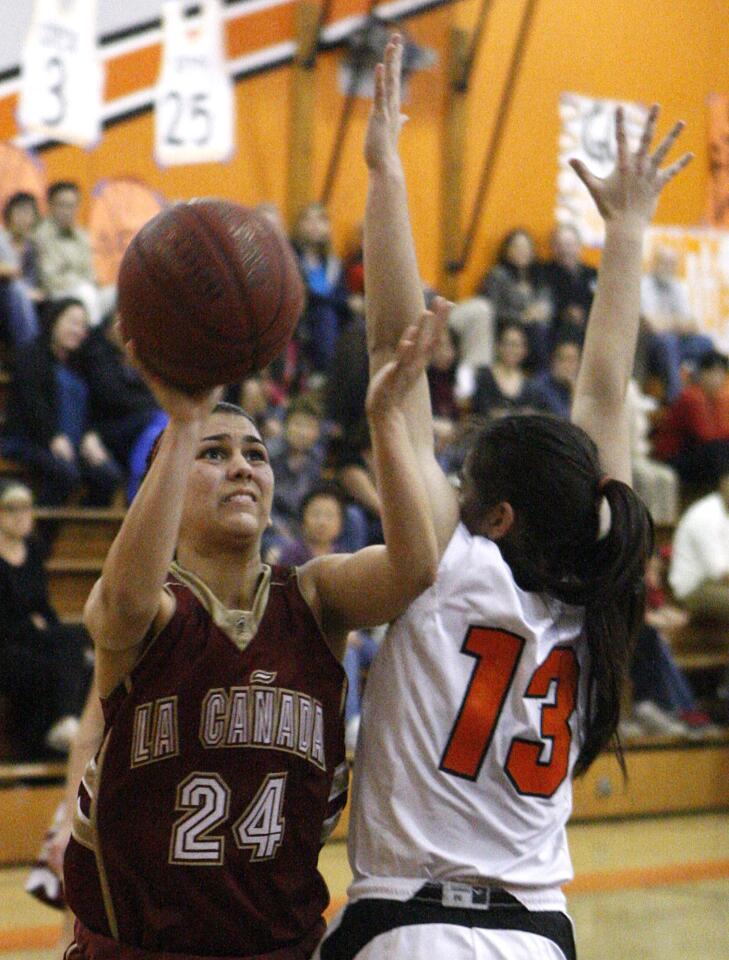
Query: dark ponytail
x,y
549,471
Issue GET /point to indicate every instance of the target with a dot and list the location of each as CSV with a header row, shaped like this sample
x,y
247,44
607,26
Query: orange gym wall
x,y
673,51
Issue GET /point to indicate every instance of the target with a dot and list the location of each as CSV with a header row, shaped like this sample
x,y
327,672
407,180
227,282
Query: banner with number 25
x,y
194,99
62,77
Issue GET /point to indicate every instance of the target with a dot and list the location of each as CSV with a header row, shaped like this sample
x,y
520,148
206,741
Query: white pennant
x,y
194,98
62,76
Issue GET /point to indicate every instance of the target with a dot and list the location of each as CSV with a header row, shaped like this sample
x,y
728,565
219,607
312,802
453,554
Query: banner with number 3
x,y
62,77
194,99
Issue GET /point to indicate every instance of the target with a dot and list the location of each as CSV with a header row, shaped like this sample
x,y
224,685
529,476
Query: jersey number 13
x,y
497,654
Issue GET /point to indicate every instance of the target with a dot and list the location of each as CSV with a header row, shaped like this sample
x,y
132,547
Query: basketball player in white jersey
x,y
503,679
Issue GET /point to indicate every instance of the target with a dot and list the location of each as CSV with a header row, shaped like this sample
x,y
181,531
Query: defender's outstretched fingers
x,y
393,64
647,136
622,144
670,172
379,101
665,145
589,179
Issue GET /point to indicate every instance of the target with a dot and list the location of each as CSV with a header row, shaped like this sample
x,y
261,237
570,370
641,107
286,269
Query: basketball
x,y
210,292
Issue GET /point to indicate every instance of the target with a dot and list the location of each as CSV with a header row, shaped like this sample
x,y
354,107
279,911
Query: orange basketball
x,y
210,292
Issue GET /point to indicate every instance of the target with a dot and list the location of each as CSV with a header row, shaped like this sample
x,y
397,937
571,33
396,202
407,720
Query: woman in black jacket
x,y
47,425
44,669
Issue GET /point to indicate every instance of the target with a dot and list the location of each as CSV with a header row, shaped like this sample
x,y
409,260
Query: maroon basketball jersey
x,y
222,771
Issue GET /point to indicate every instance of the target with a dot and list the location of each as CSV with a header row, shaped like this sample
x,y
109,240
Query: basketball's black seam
x,y
238,282
282,274
172,303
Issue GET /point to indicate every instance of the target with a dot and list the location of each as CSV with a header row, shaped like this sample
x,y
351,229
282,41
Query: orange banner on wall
x,y
718,201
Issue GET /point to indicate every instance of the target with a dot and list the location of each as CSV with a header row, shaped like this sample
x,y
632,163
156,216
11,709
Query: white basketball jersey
x,y
62,76
194,99
469,733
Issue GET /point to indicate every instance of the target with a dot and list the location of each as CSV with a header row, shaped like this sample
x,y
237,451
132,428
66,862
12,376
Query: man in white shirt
x,y
699,574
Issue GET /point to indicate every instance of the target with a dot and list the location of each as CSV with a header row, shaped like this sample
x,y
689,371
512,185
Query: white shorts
x,y
441,941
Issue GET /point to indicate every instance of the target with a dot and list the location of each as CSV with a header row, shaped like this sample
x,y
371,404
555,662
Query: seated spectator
x,y
693,434
502,387
552,391
362,645
656,483
264,400
296,458
663,701
674,334
472,321
516,292
121,406
321,521
349,459
348,377
48,427
44,670
699,571
327,294
64,254
19,282
569,282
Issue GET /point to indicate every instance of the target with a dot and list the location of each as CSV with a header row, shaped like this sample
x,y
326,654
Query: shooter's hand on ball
x,y
182,406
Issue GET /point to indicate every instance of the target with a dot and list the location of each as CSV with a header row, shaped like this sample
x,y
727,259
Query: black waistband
x,y
491,908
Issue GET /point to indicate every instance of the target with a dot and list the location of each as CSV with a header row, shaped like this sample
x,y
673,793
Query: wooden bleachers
x,y
664,775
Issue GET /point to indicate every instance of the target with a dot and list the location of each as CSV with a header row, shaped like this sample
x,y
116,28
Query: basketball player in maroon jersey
x,y
222,769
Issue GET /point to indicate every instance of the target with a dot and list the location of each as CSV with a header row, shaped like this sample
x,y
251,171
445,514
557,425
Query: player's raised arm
x,y
393,289
127,598
627,200
376,584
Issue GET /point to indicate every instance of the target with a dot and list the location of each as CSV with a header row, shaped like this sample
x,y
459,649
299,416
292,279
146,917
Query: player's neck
x,y
233,579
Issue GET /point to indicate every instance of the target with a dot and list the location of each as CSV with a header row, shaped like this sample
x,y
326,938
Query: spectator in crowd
x,y
48,426
663,701
321,520
296,458
655,483
349,459
699,571
121,404
472,321
348,377
674,335
327,294
362,645
502,387
64,253
570,282
693,434
265,401
553,390
44,670
515,289
19,282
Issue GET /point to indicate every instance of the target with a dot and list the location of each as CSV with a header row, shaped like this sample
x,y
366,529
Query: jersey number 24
x,y
497,654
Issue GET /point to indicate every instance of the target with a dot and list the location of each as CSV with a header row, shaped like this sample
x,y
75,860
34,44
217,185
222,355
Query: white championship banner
x,y
194,99
62,77
588,134
703,267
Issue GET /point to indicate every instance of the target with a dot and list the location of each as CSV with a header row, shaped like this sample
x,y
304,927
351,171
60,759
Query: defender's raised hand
x,y
385,122
631,191
392,382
